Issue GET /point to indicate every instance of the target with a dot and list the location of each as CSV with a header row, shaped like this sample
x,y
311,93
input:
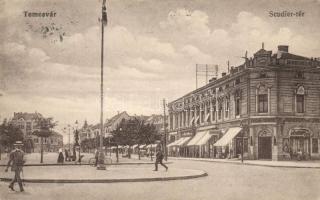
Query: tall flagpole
x,y
101,165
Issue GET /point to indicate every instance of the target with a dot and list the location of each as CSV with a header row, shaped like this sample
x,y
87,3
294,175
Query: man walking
x,y
159,159
17,160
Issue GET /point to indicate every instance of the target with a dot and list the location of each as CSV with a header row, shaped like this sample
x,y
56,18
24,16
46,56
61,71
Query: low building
x,y
266,108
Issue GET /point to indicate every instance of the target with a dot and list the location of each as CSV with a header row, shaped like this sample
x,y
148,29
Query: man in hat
x,y
159,159
17,160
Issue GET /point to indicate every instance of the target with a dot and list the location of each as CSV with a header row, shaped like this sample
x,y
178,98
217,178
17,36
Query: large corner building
x,y
266,108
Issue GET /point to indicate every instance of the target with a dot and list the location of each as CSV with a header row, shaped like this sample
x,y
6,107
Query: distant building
x,y
113,123
27,123
92,131
268,107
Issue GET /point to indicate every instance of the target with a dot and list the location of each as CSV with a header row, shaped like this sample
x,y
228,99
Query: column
x,y
201,117
179,119
269,100
187,117
217,105
195,114
173,121
211,111
205,113
190,117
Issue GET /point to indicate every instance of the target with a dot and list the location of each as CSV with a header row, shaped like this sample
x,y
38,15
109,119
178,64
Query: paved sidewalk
x,y
87,174
51,159
267,163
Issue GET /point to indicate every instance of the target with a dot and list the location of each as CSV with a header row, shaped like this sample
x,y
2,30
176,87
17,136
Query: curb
x,y
85,164
252,164
203,174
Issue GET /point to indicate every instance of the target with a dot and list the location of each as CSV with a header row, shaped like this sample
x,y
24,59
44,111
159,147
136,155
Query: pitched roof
x,y
115,118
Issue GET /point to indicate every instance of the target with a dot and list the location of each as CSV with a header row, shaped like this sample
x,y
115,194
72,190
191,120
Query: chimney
x,y
283,48
223,74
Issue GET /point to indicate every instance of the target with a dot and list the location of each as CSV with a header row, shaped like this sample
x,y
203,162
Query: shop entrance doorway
x,y
264,148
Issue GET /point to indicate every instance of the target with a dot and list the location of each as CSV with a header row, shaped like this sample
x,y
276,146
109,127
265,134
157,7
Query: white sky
x,y
151,49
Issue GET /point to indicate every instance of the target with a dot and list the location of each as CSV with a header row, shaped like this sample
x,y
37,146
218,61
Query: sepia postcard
x,y
159,99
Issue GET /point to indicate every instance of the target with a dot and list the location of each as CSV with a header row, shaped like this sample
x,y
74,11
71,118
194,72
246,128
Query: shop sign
x,y
300,133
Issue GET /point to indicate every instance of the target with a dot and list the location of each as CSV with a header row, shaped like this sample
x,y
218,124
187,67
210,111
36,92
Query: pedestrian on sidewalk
x,y
159,159
66,155
96,155
60,157
17,159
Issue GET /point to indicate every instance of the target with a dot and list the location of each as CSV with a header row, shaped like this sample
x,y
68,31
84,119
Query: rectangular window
x,y
300,103
220,112
202,116
227,109
263,103
315,148
237,106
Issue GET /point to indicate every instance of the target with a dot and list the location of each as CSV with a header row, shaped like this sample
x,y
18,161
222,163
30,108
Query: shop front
x,y
229,145
300,143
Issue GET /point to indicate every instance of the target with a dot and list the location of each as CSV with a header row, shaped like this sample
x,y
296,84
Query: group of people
x,y
67,156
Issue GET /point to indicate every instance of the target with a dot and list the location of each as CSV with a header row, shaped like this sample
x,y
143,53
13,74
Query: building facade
x,y
27,123
266,108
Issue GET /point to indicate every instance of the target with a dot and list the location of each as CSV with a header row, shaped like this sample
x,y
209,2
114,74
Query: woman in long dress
x,y
60,157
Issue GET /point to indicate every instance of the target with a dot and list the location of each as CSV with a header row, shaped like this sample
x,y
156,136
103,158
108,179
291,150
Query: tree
x,y
9,134
45,126
134,131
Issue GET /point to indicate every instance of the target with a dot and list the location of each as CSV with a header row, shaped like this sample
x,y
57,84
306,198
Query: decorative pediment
x,y
301,90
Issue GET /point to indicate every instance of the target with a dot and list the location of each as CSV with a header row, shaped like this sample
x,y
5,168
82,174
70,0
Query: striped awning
x,y
173,143
183,141
196,138
204,139
226,138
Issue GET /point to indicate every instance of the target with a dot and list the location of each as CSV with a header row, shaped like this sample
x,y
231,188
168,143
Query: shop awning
x,y
196,138
174,143
113,147
204,139
142,146
226,138
152,146
183,141
173,133
135,146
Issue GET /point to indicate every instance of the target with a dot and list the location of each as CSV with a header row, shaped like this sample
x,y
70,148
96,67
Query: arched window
x,y
262,99
300,101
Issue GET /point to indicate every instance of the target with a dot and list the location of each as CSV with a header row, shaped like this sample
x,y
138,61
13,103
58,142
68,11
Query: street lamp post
x,y
69,137
101,165
165,131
